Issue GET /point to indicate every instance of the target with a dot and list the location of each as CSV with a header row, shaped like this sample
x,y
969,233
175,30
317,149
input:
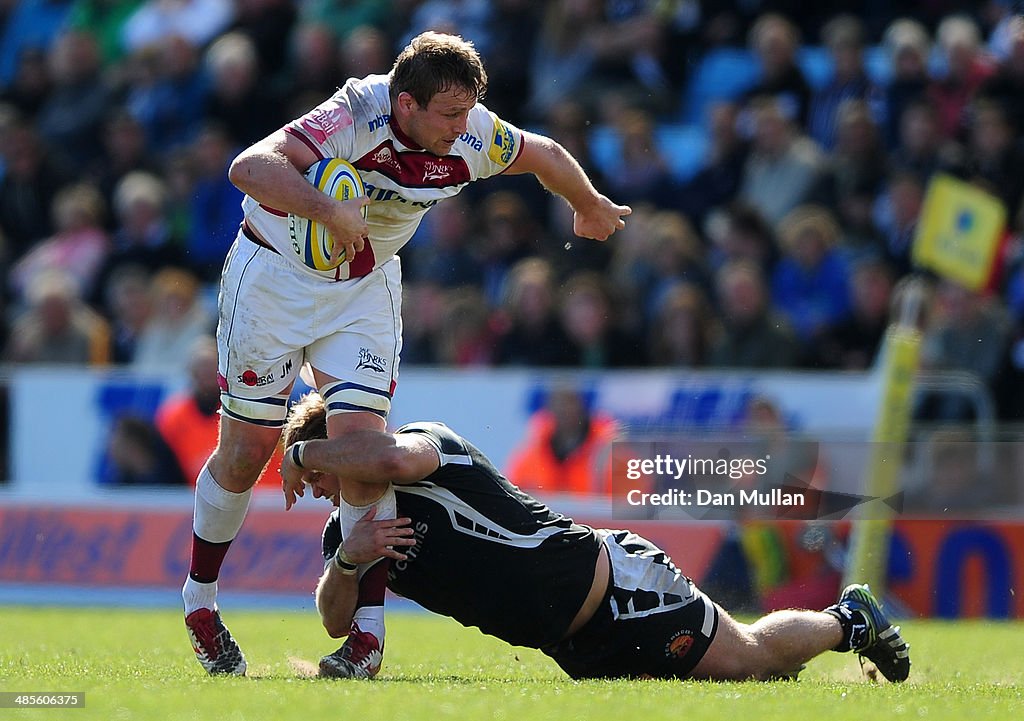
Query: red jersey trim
x,y
309,143
415,168
363,263
400,134
274,211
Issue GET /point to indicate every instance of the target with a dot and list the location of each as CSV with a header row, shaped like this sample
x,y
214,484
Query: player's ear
x,y
407,102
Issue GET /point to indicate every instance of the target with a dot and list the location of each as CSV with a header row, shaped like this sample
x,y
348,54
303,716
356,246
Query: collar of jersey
x,y
402,137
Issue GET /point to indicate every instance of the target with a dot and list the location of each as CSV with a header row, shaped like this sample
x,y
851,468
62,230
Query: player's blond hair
x,y
435,62
307,420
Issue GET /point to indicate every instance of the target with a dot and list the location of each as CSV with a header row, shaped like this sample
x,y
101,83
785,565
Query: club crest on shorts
x,y
371,361
679,645
310,240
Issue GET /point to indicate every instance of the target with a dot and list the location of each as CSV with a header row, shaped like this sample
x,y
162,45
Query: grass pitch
x,y
137,664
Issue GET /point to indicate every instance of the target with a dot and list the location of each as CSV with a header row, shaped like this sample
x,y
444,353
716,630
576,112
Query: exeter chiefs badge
x,y
679,645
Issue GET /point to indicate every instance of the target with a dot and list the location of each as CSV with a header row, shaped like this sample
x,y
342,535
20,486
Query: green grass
x,y
138,665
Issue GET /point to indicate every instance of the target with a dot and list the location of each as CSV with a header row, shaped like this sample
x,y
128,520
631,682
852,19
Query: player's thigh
x,y
263,329
733,653
242,452
358,361
338,425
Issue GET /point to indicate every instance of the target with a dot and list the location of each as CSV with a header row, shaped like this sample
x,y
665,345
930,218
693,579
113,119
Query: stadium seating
x,y
722,74
684,148
816,63
727,73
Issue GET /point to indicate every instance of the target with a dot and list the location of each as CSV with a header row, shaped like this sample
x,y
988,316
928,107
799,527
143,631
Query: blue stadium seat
x,y
816,63
684,148
722,74
604,146
879,68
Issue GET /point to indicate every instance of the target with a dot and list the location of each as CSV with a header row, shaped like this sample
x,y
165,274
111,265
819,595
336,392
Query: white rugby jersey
x,y
402,180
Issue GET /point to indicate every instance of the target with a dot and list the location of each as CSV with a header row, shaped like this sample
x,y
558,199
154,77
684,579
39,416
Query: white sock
x,y
198,595
369,618
218,513
217,518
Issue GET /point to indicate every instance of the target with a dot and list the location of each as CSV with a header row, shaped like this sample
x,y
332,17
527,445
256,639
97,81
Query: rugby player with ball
x,y
313,281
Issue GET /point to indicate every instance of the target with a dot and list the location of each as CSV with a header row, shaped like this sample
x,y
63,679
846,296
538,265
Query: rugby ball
x,y
310,240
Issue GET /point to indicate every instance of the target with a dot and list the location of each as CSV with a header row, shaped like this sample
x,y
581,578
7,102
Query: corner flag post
x,y
958,238
868,553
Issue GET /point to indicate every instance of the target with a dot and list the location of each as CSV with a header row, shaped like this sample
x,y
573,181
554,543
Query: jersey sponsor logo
x,y
379,122
680,644
371,361
382,195
472,141
503,144
414,168
419,534
253,379
435,170
325,120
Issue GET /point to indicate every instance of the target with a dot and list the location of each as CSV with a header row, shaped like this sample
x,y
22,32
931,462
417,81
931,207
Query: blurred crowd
x,y
777,242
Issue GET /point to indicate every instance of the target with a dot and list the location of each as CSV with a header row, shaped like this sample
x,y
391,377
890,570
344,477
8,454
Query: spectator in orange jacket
x,y
566,449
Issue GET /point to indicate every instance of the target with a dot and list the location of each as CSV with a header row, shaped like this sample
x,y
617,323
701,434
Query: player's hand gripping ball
x,y
310,240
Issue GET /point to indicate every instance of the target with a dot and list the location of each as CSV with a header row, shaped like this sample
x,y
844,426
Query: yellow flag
x,y
959,231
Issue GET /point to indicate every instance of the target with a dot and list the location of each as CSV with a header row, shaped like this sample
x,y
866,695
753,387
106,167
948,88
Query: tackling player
x,y
417,136
601,603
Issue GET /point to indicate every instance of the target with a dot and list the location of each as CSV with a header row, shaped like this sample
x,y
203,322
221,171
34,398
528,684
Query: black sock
x,y
854,625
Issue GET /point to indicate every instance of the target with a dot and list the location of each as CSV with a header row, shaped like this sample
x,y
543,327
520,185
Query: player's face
x,y
324,485
437,125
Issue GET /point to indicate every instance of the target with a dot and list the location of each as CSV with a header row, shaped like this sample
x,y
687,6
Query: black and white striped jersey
x,y
487,554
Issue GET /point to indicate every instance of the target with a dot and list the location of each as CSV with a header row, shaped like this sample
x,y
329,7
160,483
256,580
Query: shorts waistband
x,y
251,235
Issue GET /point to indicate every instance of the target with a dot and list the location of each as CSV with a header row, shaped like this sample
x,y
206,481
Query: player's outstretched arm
x,y
595,216
372,457
270,171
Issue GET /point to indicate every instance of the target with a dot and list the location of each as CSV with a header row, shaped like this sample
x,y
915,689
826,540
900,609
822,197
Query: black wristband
x,y
341,561
297,454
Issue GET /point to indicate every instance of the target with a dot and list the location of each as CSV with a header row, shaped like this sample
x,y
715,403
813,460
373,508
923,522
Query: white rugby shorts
x,y
274,318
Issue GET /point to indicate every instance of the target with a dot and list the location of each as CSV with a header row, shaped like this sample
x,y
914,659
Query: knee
x,y
762,658
751,664
237,465
736,654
